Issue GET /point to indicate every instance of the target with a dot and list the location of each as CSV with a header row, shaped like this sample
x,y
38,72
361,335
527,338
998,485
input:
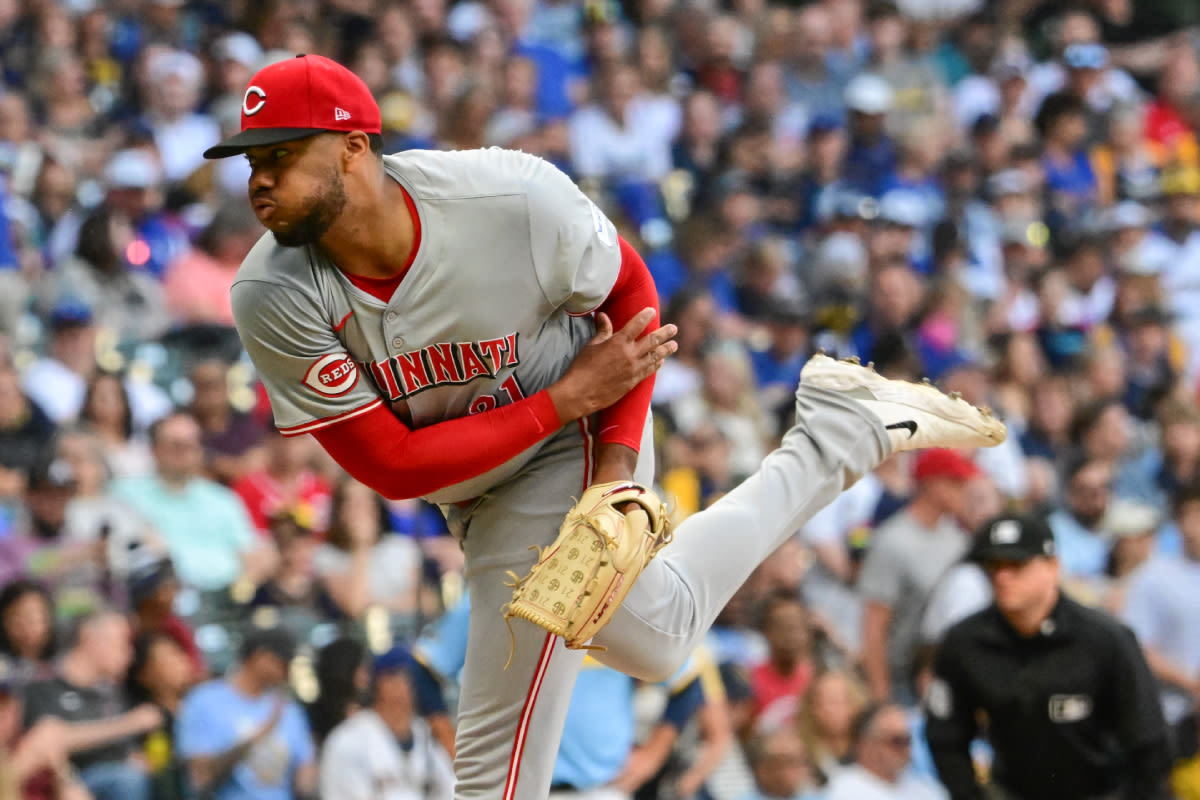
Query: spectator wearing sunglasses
x,y
882,755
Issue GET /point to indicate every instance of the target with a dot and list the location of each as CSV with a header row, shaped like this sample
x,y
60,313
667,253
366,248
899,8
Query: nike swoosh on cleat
x,y
908,425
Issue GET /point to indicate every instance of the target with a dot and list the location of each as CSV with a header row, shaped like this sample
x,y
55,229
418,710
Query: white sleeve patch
x,y
604,228
332,375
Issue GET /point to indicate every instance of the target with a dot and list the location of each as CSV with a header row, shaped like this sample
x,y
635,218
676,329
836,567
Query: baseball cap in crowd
x,y
1013,537
1086,55
176,64
51,473
1007,182
70,313
943,463
869,94
241,47
1128,518
1127,214
1024,232
133,168
840,260
904,208
959,158
824,122
1009,66
1152,314
787,311
145,579
951,362
298,98
985,124
276,641
397,659
846,203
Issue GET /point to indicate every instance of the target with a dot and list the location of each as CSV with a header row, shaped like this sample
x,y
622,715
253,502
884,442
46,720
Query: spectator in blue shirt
x,y
205,525
1062,123
135,184
1079,526
777,366
872,155
242,737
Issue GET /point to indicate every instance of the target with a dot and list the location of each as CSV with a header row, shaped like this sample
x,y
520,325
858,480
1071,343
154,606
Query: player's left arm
x,y
621,424
585,267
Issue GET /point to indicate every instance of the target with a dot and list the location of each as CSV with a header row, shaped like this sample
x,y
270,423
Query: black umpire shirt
x,y
1072,712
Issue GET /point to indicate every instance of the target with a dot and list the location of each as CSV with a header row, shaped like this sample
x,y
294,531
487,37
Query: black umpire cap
x,y
1013,537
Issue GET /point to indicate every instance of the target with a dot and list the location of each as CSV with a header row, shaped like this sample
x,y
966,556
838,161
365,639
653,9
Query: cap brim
x,y
258,137
1002,552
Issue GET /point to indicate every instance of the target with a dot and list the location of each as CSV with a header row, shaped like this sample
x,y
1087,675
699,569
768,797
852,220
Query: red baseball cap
x,y
297,98
943,463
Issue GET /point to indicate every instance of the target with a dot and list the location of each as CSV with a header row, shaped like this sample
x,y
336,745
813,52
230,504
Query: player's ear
x,y
355,146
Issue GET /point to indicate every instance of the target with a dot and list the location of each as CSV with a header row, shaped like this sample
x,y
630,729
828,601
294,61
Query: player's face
x,y
296,190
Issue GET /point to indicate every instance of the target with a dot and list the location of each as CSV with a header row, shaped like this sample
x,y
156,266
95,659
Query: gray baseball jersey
x,y
510,250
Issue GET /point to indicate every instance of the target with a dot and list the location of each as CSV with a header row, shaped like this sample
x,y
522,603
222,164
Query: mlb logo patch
x,y
1070,707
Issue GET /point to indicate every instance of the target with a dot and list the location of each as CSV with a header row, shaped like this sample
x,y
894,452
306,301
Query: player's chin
x,y
292,236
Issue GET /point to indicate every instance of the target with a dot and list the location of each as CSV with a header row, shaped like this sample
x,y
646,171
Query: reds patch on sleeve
x,y
333,375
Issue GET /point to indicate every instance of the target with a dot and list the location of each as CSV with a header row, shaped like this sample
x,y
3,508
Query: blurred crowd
x,y
1001,196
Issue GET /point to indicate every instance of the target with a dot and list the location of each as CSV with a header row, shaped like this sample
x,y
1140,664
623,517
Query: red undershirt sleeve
x,y
399,462
624,421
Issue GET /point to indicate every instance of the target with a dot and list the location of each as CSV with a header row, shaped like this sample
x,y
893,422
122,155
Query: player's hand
x,y
611,364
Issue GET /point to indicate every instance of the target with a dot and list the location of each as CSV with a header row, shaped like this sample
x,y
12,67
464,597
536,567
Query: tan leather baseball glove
x,y
578,582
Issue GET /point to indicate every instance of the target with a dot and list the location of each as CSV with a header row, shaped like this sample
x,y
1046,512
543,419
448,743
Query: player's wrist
x,y
614,462
568,403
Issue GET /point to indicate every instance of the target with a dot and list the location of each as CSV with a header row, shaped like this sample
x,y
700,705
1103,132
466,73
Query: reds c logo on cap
x,y
249,110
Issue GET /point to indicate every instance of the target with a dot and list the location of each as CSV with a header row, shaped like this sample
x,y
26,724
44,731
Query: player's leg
x,y
840,434
510,719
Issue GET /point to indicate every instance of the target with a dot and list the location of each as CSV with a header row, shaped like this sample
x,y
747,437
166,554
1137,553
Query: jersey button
x,y
390,316
397,342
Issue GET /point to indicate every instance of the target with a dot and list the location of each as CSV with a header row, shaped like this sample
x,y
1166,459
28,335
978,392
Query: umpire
x,y
1062,692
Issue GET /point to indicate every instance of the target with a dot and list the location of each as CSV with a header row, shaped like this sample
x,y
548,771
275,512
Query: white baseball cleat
x,y
916,415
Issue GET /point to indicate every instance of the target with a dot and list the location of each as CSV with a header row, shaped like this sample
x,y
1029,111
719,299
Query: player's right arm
x,y
315,387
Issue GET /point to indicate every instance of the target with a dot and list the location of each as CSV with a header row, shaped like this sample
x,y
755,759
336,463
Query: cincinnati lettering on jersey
x,y
444,364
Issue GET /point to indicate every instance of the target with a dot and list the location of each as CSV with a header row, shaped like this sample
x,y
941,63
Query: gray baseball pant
x,y
510,720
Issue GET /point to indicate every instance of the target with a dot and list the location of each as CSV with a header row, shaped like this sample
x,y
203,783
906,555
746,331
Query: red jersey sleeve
x,y
399,462
623,422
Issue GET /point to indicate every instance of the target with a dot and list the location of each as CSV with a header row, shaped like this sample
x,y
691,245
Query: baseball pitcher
x,y
468,327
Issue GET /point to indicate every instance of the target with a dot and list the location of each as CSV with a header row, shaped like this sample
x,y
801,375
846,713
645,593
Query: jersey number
x,y
489,401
